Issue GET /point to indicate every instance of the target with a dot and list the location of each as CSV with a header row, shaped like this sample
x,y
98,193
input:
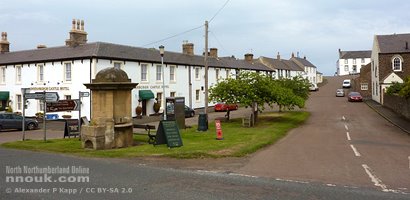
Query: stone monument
x,y
111,121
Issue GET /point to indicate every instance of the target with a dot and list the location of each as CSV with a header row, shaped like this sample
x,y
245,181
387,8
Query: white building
x,y
350,62
310,70
65,69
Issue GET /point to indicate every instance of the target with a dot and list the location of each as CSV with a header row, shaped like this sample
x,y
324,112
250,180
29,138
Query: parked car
x,y
354,96
14,121
340,92
346,83
189,112
313,87
220,106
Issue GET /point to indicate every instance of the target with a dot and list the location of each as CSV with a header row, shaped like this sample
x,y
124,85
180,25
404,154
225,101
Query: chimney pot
x,y
278,56
41,46
77,34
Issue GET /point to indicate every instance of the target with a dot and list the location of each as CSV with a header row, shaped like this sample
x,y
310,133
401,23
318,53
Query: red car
x,y
354,96
224,107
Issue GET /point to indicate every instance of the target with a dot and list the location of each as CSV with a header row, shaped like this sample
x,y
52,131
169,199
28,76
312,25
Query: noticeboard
x,y
168,133
71,128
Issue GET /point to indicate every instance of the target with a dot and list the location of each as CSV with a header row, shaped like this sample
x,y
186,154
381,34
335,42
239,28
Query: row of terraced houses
x,y
64,69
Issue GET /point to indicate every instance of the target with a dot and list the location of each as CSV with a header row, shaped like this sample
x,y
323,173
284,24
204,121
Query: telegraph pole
x,y
206,68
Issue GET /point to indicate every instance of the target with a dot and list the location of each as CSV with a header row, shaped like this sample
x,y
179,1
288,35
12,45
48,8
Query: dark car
x,y
189,112
14,121
354,96
220,106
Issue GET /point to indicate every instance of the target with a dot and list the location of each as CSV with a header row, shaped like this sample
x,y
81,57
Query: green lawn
x,y
238,141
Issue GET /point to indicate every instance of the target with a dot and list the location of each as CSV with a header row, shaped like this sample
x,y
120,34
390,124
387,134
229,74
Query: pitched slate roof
x,y
106,51
274,63
395,43
355,54
293,65
303,62
243,64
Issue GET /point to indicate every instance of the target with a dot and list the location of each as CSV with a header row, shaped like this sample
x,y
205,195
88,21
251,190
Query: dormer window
x,y
397,63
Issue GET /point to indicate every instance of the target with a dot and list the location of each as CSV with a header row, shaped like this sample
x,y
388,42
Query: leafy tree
x,y
251,88
405,90
394,88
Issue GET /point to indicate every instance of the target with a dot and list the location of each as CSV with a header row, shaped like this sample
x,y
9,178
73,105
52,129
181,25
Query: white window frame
x,y
118,64
172,77
144,65
364,86
68,76
354,61
160,97
197,73
363,60
2,75
40,73
217,74
398,64
18,74
158,73
227,71
346,61
172,94
346,68
19,102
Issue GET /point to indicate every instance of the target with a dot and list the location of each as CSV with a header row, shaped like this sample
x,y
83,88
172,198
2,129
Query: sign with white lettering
x,y
34,95
63,105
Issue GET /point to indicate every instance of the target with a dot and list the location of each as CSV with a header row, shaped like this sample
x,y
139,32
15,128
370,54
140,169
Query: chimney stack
x,y
188,48
293,55
249,57
4,44
213,52
77,34
278,56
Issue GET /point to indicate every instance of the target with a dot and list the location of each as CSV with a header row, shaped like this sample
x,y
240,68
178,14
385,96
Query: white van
x,y
346,83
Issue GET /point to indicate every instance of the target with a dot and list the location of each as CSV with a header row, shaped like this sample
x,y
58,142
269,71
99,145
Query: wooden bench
x,y
147,127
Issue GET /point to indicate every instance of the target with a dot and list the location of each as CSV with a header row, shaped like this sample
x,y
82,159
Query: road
x,y
127,179
342,143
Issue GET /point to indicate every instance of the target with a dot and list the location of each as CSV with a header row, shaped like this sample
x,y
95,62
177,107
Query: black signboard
x,y
71,128
168,133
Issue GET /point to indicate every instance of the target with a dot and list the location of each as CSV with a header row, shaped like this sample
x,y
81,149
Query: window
x,y
67,97
18,74
144,72
67,72
159,73
197,73
397,64
346,61
19,102
118,65
159,97
354,68
227,73
346,68
40,73
3,75
217,74
172,94
172,73
363,60
197,92
41,105
364,86
354,61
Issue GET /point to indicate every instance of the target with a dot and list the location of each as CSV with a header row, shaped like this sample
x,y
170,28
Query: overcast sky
x,y
314,28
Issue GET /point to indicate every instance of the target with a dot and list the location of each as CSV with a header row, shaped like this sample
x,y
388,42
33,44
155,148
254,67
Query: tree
x,y
405,90
255,89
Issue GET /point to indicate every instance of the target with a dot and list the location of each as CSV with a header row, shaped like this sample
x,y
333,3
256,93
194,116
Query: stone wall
x,y
397,104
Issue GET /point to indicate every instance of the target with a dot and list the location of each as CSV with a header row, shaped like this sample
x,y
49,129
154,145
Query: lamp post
x,y
161,52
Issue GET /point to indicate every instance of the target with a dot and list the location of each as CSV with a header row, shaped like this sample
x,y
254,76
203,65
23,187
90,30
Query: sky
x,y
313,28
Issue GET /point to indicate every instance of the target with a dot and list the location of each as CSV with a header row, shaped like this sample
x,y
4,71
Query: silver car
x,y
14,121
340,93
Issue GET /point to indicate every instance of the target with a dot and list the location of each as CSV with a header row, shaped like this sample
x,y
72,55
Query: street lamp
x,y
161,52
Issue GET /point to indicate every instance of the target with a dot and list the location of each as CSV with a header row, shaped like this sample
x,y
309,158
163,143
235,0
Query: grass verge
x,y
238,141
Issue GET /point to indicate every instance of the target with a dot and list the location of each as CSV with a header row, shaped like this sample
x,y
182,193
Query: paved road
x,y
128,179
342,143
